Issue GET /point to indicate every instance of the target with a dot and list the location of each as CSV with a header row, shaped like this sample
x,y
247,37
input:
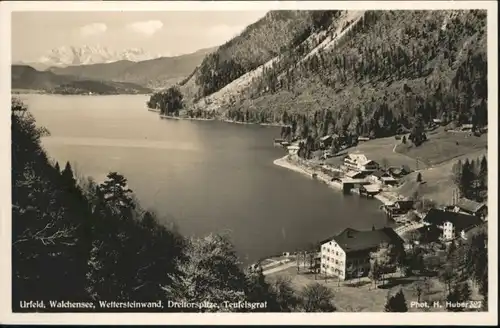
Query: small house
x,y
471,207
466,127
398,208
382,178
325,141
452,224
363,139
293,149
354,175
399,172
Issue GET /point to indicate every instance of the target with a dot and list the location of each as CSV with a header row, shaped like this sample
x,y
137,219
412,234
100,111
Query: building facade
x,y
347,255
359,162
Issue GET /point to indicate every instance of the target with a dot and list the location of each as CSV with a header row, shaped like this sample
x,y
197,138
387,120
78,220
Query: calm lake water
x,y
204,176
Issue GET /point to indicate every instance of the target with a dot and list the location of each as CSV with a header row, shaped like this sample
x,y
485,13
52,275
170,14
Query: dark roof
x,y
459,220
404,169
404,204
380,174
352,240
469,205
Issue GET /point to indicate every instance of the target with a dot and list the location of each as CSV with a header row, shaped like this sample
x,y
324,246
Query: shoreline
x,y
278,125
183,118
297,167
285,163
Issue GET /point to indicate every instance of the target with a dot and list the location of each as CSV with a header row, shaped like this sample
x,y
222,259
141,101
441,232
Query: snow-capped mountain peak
x,y
86,55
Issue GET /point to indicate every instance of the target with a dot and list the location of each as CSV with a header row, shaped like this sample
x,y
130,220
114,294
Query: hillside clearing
x,y
438,183
444,146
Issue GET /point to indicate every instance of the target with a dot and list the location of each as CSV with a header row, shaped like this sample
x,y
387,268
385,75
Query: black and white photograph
x,y
250,157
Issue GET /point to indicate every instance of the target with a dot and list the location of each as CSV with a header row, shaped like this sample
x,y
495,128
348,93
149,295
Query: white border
x,y
7,317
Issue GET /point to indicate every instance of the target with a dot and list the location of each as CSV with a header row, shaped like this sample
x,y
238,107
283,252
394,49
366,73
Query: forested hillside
x,y
258,43
76,240
26,77
393,66
373,73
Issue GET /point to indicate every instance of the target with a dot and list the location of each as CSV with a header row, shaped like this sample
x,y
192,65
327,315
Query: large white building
x,y
347,255
359,162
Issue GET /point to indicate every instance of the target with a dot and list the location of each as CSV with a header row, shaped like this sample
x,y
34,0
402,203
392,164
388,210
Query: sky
x,y
166,33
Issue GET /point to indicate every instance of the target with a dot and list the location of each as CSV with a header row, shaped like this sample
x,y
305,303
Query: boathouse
x,y
369,190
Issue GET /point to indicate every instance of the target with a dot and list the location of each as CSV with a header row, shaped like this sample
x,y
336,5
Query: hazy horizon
x,y
168,33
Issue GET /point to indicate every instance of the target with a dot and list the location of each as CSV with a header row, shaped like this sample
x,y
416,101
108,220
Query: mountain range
x,y
154,73
142,75
87,55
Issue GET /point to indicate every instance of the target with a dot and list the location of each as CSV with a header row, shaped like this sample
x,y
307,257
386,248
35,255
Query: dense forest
x,y
76,240
392,72
271,36
168,102
471,178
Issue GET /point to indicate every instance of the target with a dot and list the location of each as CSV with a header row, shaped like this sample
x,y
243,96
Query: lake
x,y
205,176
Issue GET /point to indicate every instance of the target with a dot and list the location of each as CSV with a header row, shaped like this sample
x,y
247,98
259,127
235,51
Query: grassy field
x,y
443,146
438,183
363,297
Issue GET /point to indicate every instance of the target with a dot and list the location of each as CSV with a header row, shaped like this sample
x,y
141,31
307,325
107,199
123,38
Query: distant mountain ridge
x,y
27,78
87,55
153,73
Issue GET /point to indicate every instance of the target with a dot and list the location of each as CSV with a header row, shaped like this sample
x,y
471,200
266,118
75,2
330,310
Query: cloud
x,y
148,28
92,29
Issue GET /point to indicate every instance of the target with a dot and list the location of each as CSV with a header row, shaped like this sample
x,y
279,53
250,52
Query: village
x,y
346,259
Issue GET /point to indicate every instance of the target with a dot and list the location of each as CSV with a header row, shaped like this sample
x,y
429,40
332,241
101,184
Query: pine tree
x,y
68,176
419,177
396,303
466,178
117,194
483,179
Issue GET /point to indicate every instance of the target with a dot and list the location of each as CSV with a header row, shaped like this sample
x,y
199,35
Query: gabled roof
x,y
325,138
380,174
358,157
469,205
404,204
459,220
353,174
351,240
